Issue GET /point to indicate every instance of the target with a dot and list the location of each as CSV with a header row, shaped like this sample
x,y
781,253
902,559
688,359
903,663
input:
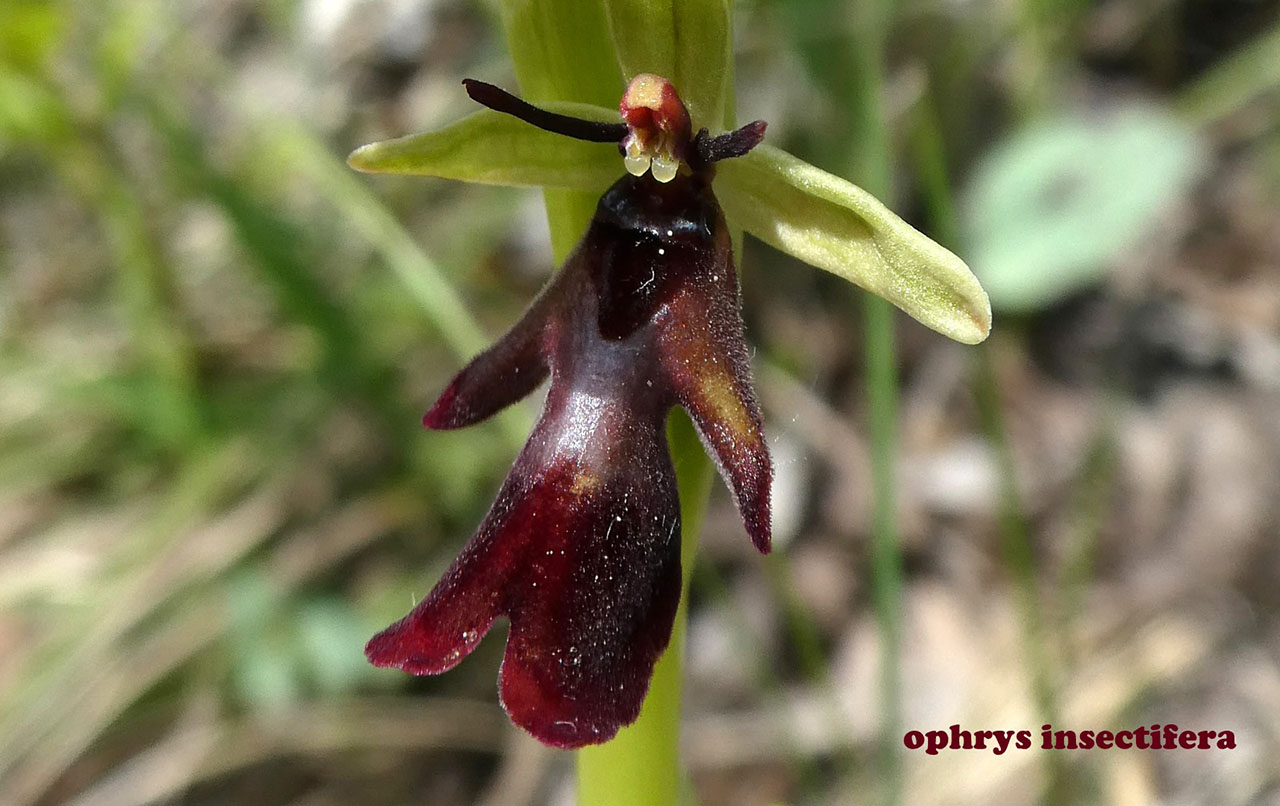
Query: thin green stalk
x,y
886,560
1249,72
1018,556
852,72
1015,540
1094,493
641,766
873,170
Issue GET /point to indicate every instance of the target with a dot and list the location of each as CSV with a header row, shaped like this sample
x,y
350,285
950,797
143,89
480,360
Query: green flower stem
x,y
641,766
873,170
886,560
1012,522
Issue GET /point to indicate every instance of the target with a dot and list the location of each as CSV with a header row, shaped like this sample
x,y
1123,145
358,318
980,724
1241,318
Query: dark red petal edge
x,y
705,358
506,372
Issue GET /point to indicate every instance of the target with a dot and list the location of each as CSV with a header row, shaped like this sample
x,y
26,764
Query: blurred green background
x,y
216,342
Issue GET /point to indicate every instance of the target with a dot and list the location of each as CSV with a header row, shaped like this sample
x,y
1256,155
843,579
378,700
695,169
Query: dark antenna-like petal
x,y
730,144
500,100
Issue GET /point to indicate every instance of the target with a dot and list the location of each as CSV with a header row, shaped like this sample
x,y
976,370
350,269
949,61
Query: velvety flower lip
x,y
581,549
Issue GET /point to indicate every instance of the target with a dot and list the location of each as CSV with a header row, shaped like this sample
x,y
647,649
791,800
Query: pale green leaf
x,y
1051,207
562,51
647,34
497,149
704,63
643,32
837,226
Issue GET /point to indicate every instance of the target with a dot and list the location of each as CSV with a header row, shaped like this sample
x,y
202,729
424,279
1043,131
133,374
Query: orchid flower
x,y
581,549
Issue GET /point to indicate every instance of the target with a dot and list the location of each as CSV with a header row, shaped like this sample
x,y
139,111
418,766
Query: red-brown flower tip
x,y
659,131
581,550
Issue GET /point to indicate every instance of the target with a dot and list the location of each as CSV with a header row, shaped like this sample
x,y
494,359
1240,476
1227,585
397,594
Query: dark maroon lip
x,y
581,549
